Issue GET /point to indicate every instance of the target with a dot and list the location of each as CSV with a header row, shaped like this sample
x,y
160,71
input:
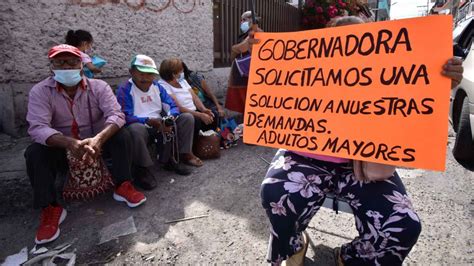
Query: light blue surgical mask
x,y
181,77
245,26
68,77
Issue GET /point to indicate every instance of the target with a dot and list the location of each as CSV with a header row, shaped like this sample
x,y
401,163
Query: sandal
x,y
194,161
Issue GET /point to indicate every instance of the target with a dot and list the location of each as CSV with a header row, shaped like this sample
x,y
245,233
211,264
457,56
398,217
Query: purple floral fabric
x,y
296,186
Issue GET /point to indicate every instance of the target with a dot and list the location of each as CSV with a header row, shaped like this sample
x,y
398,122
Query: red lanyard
x,y
74,125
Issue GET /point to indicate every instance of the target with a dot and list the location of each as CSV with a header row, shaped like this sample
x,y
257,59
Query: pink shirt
x,y
322,157
85,58
50,112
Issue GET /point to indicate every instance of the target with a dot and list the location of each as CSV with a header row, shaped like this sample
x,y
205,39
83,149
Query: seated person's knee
x,y
187,117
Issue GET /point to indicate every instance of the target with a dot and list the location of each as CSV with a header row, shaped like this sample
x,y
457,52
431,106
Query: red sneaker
x,y
51,218
128,194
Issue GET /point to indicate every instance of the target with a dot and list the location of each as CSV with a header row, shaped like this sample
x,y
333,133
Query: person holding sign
x,y
240,56
297,183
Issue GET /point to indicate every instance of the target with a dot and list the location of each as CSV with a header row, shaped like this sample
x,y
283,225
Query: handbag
x,y
86,180
243,65
369,171
208,147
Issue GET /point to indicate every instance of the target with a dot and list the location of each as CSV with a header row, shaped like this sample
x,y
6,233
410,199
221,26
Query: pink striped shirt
x,y
50,111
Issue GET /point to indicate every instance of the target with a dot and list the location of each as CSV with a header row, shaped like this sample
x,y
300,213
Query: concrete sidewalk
x,y
235,230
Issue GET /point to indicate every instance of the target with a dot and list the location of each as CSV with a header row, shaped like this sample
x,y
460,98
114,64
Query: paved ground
x,y
235,230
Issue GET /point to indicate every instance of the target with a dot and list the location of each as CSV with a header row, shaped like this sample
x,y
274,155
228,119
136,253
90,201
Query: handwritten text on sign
x,y
371,92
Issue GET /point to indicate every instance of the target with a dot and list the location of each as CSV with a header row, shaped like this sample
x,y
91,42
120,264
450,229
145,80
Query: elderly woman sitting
x,y
172,79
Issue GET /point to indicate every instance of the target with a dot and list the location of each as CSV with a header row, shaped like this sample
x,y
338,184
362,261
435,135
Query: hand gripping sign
x,y
371,92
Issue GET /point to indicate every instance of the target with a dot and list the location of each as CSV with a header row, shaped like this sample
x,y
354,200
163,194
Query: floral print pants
x,y
294,189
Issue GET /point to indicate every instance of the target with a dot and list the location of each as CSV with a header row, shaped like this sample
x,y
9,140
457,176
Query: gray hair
x,y
248,14
347,20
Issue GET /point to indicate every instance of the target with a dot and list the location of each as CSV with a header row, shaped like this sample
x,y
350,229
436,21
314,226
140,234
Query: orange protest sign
x,y
371,92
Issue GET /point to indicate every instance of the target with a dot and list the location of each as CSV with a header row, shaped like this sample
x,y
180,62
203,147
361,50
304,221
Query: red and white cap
x,y
63,48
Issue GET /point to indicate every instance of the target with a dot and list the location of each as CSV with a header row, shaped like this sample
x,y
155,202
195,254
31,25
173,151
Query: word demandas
x,y
286,123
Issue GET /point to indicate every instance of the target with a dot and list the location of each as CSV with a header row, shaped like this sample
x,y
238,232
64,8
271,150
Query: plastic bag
x,y
226,130
243,65
97,62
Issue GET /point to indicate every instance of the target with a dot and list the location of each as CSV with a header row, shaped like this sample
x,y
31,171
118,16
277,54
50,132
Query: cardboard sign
x,y
371,92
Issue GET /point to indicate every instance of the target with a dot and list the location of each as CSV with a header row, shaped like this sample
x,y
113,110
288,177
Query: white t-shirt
x,y
183,95
146,104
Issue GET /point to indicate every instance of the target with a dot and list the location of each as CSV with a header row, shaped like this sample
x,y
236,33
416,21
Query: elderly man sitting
x,y
70,113
145,104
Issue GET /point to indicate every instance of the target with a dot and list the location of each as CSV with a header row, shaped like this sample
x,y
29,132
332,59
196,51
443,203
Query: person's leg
x,y
43,165
174,149
188,131
139,138
119,147
197,126
164,148
387,224
141,159
185,124
292,192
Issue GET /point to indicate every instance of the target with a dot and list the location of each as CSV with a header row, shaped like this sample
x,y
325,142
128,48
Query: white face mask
x,y
67,77
245,26
180,77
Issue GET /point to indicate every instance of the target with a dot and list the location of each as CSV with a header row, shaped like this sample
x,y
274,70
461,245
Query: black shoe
x,y
144,178
178,168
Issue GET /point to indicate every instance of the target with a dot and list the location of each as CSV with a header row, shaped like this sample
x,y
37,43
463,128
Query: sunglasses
x,y
62,62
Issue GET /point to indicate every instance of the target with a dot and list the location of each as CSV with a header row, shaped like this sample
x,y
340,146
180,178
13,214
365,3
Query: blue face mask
x,y
245,26
69,77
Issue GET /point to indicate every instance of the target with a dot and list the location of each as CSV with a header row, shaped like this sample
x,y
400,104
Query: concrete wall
x,y
121,28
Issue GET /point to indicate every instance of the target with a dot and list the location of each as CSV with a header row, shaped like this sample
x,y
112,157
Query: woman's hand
x,y
220,110
251,36
453,69
207,119
208,111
